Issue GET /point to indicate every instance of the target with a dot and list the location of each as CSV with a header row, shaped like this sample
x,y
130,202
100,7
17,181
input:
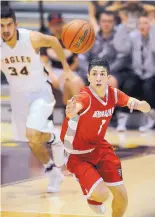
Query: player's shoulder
x,y
111,89
83,95
114,90
113,93
23,30
84,89
24,33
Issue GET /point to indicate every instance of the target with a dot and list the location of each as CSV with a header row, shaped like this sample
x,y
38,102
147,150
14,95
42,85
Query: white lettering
x,y
105,113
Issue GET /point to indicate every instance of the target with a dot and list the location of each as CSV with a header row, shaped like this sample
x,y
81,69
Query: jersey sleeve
x,y
84,100
64,129
122,98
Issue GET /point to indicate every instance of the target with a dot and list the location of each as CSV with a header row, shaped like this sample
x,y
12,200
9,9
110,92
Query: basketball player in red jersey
x,y
91,157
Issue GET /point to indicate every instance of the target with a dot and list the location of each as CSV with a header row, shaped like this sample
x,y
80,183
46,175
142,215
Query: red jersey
x,y
87,130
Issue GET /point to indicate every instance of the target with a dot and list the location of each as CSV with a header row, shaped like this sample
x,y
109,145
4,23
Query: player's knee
x,y
101,193
33,136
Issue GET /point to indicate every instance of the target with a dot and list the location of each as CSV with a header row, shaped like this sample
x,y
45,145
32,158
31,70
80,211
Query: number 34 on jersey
x,y
13,71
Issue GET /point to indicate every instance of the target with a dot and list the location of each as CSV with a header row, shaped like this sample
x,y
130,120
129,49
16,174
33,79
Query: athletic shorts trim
x,y
114,183
93,187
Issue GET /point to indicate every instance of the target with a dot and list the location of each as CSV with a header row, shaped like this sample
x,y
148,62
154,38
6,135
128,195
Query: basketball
x,y
78,36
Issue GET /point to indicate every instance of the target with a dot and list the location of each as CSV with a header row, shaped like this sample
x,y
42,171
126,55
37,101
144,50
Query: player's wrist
x,y
65,65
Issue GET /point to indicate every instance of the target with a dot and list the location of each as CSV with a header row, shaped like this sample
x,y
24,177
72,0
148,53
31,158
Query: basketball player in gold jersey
x,y
32,100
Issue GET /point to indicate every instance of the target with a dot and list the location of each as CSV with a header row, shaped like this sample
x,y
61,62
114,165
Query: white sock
x,y
49,163
58,154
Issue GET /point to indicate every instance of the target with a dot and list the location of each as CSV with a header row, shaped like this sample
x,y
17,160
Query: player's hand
x,y
133,104
71,108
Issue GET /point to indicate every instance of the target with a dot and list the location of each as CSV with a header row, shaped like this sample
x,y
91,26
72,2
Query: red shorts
x,y
92,168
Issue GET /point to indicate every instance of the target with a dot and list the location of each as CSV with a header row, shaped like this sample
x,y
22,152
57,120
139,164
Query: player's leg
x,y
33,114
99,195
120,200
39,131
109,168
37,141
90,181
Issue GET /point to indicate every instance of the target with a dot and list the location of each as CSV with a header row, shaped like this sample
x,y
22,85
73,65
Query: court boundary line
x,y
70,214
25,180
22,181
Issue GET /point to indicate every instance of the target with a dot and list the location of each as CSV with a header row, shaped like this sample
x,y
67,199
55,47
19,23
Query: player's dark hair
x,y
99,62
7,12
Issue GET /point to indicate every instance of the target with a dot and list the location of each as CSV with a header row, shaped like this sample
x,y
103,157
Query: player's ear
x,y
88,77
16,24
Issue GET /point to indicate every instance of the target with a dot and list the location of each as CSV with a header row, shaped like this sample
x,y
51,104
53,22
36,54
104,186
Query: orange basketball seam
x,y
86,41
92,40
76,34
65,32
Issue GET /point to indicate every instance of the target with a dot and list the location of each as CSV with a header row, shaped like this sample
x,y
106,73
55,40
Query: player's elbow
x,y
54,41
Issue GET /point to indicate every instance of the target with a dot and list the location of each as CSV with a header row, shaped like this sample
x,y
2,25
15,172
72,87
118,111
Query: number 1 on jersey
x,y
101,125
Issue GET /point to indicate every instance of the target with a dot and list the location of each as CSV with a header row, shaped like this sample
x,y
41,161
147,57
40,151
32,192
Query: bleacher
x,y
29,13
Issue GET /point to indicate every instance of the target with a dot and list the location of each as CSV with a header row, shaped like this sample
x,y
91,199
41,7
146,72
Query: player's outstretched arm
x,y
39,40
73,108
135,104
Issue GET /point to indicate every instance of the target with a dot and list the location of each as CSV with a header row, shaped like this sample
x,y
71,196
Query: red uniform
x,y
92,158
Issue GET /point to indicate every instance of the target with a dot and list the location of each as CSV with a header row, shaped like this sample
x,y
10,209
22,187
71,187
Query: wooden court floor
x,y
24,184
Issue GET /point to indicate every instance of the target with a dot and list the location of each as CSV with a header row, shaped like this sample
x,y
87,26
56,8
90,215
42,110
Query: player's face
x,y
8,29
98,77
144,26
106,23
